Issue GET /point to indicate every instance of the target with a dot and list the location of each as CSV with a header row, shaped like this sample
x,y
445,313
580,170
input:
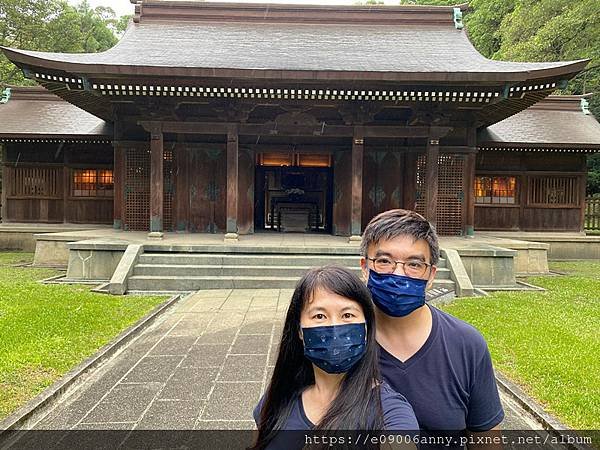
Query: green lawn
x,y
548,342
45,330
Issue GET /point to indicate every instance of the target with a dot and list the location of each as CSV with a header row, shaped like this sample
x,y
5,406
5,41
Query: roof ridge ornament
x,y
585,106
458,19
5,95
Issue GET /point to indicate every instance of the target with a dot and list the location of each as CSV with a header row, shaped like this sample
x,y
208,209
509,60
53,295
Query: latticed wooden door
x,y
137,189
451,194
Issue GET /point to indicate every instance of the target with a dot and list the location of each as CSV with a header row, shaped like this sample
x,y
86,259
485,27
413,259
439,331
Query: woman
x,y
326,376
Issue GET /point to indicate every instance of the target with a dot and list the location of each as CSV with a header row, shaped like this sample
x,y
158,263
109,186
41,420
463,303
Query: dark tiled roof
x,y
419,45
33,112
555,121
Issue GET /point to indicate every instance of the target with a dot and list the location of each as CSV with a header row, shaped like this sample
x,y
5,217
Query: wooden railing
x,y
592,213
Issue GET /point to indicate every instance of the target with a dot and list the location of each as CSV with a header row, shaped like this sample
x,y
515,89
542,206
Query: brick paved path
x,y
202,365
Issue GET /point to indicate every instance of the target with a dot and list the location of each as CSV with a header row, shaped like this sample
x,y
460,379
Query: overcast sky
x,y
122,7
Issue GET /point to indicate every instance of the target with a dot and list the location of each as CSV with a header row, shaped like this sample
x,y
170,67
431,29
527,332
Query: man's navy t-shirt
x,y
449,381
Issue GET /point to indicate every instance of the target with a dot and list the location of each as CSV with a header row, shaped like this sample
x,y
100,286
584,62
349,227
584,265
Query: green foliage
x,y
555,30
45,330
547,341
54,26
483,22
593,184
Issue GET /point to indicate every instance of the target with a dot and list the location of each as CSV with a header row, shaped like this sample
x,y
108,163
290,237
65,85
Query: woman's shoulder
x,y
398,413
296,417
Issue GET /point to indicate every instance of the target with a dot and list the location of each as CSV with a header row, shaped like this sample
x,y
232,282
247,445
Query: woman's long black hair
x,y
357,405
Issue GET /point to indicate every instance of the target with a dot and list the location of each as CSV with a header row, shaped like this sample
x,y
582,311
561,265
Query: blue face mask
x,y
335,348
396,295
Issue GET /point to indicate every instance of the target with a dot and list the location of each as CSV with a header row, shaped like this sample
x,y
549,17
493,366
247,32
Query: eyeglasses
x,y
412,268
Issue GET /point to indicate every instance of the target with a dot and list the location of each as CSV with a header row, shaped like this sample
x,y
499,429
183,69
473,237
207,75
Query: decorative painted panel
x,y
382,183
207,190
342,192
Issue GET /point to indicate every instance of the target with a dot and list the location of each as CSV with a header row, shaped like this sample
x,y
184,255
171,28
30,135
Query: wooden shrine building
x,y
237,118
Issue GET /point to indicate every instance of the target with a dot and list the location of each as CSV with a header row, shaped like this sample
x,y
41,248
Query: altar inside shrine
x,y
294,195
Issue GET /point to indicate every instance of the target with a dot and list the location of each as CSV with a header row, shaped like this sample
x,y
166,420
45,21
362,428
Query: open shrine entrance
x,y
294,192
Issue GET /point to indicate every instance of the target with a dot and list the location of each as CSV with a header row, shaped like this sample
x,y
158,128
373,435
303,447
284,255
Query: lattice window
x,y
293,159
39,182
275,159
137,189
495,190
92,183
313,160
450,192
553,191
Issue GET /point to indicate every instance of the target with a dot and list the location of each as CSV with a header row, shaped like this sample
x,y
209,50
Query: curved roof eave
x,y
43,60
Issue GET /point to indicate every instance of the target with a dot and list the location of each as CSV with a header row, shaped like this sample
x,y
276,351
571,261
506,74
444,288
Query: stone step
x,y
253,259
238,270
239,259
225,270
177,283
191,283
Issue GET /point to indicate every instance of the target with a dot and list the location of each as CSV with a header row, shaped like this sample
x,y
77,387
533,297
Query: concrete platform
x,y
52,248
530,257
21,236
561,246
484,261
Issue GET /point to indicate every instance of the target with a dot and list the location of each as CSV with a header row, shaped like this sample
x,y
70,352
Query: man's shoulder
x,y
458,332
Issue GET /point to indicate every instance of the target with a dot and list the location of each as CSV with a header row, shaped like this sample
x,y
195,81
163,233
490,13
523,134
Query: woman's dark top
x,y
398,415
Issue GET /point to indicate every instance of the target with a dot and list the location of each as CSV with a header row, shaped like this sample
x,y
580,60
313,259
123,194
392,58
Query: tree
x,y
555,30
54,26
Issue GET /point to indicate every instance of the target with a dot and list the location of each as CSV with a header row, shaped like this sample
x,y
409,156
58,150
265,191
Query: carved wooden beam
x,y
359,113
322,129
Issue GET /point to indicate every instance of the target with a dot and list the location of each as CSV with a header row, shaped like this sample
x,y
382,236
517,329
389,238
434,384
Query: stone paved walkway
x,y
202,365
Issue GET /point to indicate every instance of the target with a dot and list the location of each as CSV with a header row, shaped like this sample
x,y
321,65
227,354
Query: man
x,y
439,363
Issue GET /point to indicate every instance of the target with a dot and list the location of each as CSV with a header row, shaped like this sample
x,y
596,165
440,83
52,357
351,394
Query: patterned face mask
x,y
335,348
396,295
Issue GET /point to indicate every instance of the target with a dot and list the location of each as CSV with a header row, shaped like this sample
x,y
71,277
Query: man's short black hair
x,y
400,222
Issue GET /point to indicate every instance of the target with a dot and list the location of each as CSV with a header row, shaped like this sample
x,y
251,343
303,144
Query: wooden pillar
x,y
431,179
156,182
66,191
469,229
522,192
357,182
232,183
119,186
119,163
469,183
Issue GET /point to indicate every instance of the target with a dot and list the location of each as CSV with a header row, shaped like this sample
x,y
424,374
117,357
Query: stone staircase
x,y
188,271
